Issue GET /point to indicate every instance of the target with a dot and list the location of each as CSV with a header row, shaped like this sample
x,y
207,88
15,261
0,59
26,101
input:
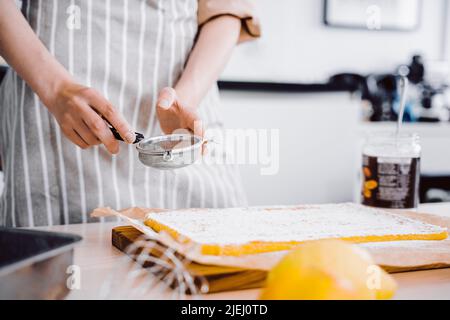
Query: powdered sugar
x,y
288,223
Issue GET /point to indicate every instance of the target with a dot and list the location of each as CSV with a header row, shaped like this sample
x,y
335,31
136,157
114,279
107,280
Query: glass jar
x,y
391,171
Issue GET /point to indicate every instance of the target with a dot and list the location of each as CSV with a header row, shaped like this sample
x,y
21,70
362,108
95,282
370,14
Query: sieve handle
x,y
139,136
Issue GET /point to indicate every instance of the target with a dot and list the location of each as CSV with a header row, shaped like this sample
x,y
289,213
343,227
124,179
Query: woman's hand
x,y
173,114
79,111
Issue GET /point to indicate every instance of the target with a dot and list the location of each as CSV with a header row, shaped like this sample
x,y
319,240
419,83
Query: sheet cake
x,y
238,231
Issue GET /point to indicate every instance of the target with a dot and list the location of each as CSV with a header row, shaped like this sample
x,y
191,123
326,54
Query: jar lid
x,y
392,136
393,145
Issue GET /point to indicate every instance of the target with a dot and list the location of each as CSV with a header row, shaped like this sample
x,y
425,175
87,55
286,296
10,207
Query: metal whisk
x,y
153,270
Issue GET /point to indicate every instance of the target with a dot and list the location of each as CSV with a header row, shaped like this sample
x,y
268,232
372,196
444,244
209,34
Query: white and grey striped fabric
x,y
128,50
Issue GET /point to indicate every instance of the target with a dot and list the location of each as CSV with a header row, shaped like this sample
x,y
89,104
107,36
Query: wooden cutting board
x,y
219,278
397,256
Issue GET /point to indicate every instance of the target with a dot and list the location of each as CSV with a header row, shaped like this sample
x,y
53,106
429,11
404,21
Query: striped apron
x,y
128,50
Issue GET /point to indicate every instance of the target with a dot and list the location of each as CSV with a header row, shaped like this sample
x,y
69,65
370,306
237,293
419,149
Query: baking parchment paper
x,y
394,256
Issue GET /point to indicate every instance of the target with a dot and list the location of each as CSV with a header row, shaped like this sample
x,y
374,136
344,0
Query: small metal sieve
x,y
171,151
167,152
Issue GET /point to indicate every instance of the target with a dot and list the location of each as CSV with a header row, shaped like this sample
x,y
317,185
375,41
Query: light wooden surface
x,y
98,260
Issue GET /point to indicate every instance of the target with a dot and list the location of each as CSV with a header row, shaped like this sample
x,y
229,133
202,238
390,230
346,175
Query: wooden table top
x,y
98,260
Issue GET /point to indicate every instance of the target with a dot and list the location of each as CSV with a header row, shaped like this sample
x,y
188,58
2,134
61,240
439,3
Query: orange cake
x,y
238,231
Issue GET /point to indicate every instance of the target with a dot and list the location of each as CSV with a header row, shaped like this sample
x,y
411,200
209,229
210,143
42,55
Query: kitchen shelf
x,y
283,87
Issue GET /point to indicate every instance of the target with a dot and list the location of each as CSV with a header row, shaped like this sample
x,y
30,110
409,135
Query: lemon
x,y
328,269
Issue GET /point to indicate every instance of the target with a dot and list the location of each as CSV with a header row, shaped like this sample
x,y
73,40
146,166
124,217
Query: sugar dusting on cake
x,y
288,223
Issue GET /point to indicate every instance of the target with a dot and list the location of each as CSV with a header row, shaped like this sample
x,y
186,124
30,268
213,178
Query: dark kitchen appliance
x,y
34,264
434,188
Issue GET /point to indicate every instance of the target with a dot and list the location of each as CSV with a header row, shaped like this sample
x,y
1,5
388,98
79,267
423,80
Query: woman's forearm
x,y
26,54
78,109
211,52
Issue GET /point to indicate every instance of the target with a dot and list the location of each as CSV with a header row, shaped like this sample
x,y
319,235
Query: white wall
x,y
317,145
297,47
446,34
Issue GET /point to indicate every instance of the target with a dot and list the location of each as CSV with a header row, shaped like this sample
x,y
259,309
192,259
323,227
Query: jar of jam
x,y
391,171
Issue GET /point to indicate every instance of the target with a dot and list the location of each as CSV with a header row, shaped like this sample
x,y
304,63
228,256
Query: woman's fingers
x,y
100,129
192,121
166,98
75,138
68,128
168,118
198,127
114,117
174,115
86,134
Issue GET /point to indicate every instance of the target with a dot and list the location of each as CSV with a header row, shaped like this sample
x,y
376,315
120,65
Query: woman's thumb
x,y
166,98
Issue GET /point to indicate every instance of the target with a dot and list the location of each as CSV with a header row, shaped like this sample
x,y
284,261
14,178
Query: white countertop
x,y
97,259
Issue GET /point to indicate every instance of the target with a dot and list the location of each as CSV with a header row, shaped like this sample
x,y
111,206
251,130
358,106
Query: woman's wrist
x,y
188,95
52,86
